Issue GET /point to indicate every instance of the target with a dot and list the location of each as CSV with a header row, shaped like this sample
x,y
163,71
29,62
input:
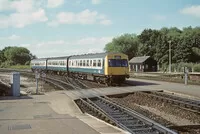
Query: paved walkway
x,y
193,90
53,113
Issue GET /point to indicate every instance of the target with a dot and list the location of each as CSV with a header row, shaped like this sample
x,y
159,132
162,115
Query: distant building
x,y
143,64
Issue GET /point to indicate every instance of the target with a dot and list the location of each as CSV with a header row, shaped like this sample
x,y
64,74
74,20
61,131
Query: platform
x,y
52,113
190,90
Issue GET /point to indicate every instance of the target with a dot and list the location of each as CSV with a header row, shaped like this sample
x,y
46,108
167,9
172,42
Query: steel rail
x,y
125,118
182,102
140,117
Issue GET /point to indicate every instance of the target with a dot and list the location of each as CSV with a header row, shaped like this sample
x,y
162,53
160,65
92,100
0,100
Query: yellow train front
x,y
116,68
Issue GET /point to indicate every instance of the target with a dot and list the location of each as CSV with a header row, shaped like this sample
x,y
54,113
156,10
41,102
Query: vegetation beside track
x,y
19,67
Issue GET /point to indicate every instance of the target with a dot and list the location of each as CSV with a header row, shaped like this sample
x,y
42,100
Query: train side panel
x,y
86,65
57,65
38,64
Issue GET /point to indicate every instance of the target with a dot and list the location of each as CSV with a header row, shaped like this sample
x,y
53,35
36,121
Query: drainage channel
x,y
120,116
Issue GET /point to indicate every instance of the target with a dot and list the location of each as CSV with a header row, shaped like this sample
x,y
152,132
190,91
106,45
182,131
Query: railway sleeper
x,y
136,124
143,129
132,126
119,116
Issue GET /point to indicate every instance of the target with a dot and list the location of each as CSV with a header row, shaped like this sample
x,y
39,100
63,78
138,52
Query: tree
x,y
127,44
148,39
17,55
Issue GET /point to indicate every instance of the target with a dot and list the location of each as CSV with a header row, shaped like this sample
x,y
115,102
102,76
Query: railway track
x,y
108,110
122,117
188,104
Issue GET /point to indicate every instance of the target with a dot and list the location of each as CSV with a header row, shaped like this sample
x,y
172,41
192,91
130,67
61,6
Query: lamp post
x,y
170,56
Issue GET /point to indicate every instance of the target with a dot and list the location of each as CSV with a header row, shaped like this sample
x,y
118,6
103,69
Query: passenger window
x,y
87,63
90,63
74,62
83,62
80,62
94,63
99,63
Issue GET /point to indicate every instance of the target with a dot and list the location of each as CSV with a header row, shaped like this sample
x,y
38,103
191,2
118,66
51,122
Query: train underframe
x,y
109,80
106,79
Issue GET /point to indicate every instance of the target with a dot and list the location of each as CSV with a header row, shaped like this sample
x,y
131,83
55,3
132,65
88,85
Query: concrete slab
x,y
52,113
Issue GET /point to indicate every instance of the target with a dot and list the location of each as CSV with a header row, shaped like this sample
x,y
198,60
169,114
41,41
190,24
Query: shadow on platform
x,y
140,83
14,98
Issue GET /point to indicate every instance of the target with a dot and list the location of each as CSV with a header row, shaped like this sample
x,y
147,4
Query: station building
x,y
143,64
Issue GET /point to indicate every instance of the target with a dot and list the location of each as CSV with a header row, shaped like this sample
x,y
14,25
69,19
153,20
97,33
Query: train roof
x,y
92,55
56,58
39,59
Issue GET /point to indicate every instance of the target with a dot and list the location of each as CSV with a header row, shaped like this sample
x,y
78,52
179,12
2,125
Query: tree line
x,y
185,45
10,56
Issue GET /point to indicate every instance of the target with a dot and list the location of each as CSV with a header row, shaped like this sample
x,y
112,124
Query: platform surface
x,y
193,90
52,113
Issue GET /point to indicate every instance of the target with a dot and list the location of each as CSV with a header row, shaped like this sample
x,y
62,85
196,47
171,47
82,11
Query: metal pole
x,y
186,75
36,85
169,56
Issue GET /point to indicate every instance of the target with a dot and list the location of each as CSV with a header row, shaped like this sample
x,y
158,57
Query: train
x,y
105,68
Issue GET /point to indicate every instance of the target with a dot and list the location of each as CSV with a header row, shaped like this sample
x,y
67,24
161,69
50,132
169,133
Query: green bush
x,y
6,64
196,67
179,67
20,67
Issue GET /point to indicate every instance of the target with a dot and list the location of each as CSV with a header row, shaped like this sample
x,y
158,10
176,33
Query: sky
x,y
69,27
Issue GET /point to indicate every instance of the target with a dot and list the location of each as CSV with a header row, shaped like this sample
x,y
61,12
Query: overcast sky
x,y
65,27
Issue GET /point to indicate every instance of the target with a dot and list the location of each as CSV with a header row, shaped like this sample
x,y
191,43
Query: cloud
x,y
19,5
94,41
12,37
21,13
51,43
54,3
22,19
84,17
192,10
159,17
106,22
63,48
5,5
95,2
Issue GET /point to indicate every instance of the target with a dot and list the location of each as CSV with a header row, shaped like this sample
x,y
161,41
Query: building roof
x,y
139,59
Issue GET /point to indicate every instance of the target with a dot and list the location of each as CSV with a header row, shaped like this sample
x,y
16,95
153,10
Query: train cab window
x,y
99,63
124,63
94,63
87,64
118,63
